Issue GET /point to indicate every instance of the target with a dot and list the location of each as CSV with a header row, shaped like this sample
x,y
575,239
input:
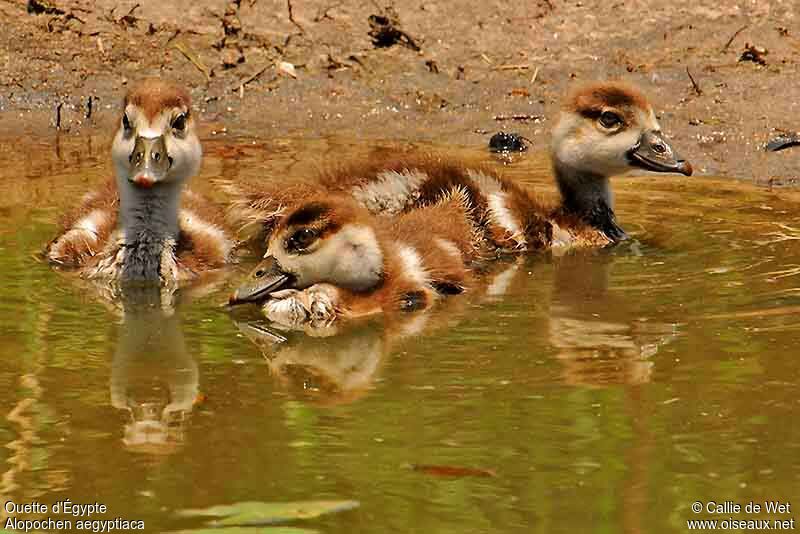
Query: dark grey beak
x,y
266,278
654,153
149,161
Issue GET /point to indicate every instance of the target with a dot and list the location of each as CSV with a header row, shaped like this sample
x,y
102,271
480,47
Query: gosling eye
x,y
610,120
126,124
179,123
301,239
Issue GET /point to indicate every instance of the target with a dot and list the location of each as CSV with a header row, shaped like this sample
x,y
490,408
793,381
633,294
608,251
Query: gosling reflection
x,y
340,363
596,336
153,377
325,366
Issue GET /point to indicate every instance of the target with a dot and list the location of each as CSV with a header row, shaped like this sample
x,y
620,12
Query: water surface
x,y
601,391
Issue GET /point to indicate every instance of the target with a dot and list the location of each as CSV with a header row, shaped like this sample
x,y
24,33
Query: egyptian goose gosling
x,y
141,228
330,257
604,129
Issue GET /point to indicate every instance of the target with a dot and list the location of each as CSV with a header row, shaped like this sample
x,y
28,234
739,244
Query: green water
x,y
603,391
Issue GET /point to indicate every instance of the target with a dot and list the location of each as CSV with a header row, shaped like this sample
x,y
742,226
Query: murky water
x,y
603,391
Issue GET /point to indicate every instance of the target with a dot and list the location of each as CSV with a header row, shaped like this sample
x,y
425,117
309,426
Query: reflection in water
x,y
596,344
595,340
153,376
339,363
698,410
331,369
21,458
26,416
635,492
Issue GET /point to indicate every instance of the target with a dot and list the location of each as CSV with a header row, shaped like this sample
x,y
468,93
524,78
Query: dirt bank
x,y
457,71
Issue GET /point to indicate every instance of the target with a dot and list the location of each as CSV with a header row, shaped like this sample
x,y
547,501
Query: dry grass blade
x,y
694,83
194,59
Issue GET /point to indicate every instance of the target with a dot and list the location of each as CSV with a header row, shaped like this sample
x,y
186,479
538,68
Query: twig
x,y
126,21
512,67
322,14
193,59
535,75
291,17
694,83
517,117
58,115
250,79
334,64
730,41
357,60
173,36
89,107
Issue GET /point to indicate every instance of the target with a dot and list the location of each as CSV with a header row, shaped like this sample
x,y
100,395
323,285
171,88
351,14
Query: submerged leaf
x,y
267,513
452,471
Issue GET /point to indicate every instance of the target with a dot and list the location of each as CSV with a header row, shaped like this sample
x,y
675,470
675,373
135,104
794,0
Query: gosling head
x,y
321,241
156,142
610,128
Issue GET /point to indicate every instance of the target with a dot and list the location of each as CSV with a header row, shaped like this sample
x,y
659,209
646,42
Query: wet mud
x,y
721,74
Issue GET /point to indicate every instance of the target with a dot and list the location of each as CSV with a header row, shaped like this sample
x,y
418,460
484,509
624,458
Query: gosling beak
x,y
654,153
266,278
149,161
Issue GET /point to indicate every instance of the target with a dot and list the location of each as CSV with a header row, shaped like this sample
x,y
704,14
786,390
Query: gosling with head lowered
x,y
141,227
330,257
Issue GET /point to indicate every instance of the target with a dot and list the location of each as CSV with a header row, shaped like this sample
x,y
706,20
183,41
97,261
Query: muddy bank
x,y
448,71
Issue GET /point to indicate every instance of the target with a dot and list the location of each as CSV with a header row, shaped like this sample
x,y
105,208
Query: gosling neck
x,y
149,224
588,196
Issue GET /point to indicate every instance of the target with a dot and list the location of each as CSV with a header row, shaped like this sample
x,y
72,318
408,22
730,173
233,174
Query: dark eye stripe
x,y
308,214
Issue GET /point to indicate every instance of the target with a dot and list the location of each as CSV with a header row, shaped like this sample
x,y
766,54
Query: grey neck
x,y
149,222
588,196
